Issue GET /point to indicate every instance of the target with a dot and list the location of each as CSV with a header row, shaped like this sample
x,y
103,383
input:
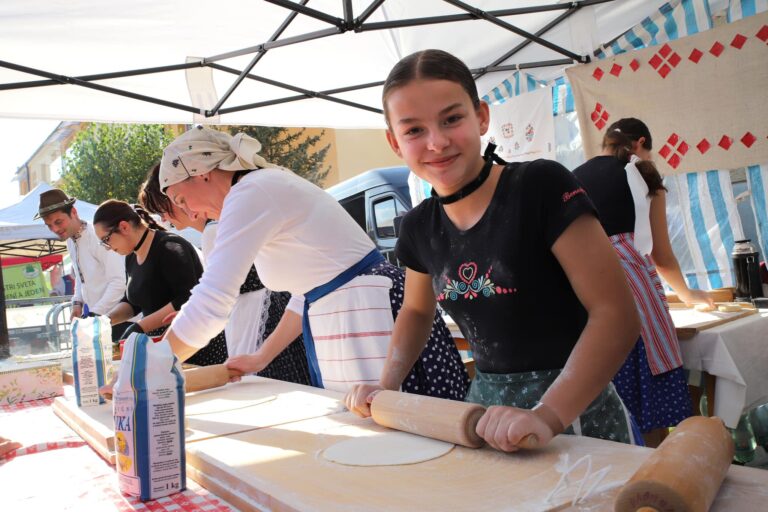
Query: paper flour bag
x,y
148,409
91,358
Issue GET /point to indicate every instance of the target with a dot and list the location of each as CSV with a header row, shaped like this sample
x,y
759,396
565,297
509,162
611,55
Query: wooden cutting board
x,y
253,403
689,321
94,424
282,469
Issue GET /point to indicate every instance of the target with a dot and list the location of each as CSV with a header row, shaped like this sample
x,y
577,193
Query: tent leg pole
x,y
5,342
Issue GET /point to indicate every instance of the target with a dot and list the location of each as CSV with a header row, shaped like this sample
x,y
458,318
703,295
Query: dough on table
x,y
704,307
221,405
729,307
386,449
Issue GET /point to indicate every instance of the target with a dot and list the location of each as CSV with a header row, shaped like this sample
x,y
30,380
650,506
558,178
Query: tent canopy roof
x,y
294,55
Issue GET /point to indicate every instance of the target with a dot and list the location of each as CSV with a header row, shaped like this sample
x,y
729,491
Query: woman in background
x,y
161,270
630,198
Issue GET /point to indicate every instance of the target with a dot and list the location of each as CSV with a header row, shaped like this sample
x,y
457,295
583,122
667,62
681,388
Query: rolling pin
x,y
207,377
436,418
195,379
684,473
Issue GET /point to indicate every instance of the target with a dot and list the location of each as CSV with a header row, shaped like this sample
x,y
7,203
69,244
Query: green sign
x,y
24,281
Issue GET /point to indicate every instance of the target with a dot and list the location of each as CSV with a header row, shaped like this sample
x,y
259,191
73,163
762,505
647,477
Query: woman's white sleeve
x,y
296,304
250,216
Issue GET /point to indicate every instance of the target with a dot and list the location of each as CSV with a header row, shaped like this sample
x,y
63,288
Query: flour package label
x,y
148,409
91,358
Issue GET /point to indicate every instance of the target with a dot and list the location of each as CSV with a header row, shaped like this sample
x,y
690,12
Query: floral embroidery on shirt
x,y
470,285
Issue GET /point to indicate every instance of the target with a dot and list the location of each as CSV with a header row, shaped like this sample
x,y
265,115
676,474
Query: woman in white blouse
x,y
344,295
257,310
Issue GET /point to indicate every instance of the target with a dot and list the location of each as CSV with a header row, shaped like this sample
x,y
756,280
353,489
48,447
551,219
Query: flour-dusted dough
x,y
386,449
729,307
217,405
704,307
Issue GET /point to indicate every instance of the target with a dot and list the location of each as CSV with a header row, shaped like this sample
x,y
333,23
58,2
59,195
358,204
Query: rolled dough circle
x,y
386,449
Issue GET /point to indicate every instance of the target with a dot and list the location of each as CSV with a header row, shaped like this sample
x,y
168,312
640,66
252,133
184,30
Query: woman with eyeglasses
x,y
161,270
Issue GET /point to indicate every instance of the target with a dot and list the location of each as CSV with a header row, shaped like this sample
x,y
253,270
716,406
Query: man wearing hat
x,y
99,273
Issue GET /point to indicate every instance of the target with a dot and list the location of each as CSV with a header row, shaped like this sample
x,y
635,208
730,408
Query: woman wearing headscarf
x,y
344,295
257,310
161,268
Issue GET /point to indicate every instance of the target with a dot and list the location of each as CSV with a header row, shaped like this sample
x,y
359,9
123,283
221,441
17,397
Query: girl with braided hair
x,y
161,269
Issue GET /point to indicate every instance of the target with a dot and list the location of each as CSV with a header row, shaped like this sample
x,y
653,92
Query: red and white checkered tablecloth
x,y
55,470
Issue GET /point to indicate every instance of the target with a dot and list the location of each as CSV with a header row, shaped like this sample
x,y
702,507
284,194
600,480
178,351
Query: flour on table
x,y
386,449
217,405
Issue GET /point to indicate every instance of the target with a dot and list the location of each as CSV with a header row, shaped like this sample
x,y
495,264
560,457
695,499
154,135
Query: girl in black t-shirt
x,y
517,258
161,269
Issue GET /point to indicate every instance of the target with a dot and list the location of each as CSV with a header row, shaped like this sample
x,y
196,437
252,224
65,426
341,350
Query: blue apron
x,y
372,259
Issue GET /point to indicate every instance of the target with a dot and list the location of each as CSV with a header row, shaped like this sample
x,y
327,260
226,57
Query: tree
x,y
290,149
110,161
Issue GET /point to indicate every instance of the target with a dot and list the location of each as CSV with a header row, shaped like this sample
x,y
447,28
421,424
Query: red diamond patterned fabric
x,y
684,90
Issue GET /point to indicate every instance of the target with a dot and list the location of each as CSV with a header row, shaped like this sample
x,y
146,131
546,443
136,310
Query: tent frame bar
x,y
339,25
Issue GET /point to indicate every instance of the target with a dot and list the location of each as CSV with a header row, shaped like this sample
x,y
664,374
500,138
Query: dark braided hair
x,y
150,195
112,212
618,140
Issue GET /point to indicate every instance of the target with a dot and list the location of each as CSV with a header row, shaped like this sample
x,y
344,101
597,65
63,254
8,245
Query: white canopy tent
x,y
20,235
170,62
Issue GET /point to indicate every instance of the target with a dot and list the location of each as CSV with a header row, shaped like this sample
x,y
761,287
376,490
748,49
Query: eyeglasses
x,y
104,241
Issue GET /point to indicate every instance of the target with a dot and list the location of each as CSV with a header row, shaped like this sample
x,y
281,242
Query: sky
x,y
19,138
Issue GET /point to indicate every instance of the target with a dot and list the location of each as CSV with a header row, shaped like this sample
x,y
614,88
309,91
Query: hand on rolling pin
x,y
246,363
508,429
359,399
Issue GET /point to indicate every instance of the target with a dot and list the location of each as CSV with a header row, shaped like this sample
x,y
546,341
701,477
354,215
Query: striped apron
x,y
657,330
348,328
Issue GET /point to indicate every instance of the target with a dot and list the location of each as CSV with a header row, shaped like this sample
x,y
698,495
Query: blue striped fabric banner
x,y
738,9
562,96
673,20
711,223
518,83
757,182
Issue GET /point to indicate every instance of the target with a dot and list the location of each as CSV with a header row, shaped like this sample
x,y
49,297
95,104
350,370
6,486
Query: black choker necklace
x,y
143,237
490,157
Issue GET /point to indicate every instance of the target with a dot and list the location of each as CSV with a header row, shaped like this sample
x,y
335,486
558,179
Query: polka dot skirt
x,y
655,401
439,371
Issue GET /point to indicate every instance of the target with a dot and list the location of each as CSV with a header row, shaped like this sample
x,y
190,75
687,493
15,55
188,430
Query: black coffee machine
x,y
746,270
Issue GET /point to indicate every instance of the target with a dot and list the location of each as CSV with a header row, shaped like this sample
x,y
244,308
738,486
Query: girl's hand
x,y
246,363
508,429
359,399
696,297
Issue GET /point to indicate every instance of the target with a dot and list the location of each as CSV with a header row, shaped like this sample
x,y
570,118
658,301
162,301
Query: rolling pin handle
x,y
529,442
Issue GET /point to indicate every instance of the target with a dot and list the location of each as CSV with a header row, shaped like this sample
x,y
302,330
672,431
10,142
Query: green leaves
x,y
292,149
109,161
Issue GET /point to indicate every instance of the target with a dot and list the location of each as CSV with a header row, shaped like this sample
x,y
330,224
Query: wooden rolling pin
x,y
196,379
207,377
684,473
446,420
